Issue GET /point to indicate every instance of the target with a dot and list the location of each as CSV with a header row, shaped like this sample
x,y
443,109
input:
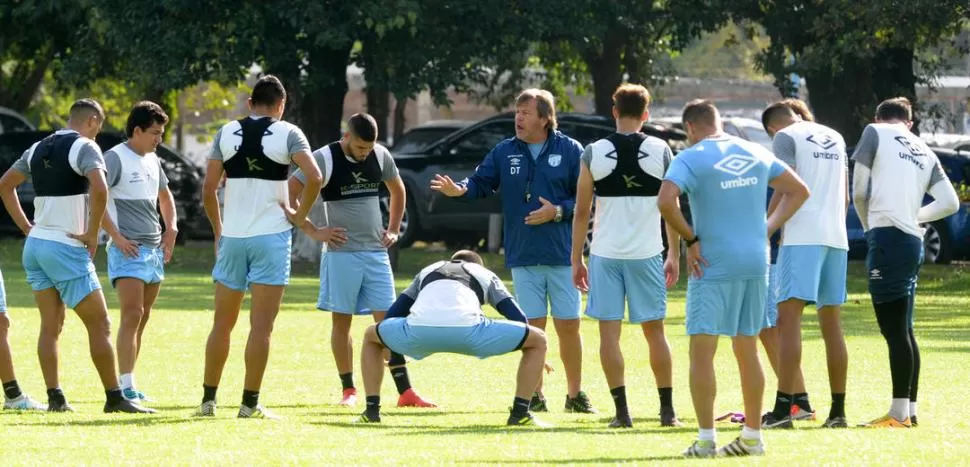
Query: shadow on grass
x,y
596,430
593,460
136,420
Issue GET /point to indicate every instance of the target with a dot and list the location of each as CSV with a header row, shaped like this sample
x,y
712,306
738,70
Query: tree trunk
x,y
379,107
844,100
318,110
400,119
897,78
605,67
20,94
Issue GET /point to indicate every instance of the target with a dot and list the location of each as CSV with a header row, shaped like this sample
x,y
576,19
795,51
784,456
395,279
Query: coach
x,y
536,173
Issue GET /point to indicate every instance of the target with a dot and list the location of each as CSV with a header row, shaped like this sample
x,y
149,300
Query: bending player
x,y
440,312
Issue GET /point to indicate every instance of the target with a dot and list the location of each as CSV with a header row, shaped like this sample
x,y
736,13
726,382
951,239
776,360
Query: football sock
x,y
838,405
749,433
619,400
801,400
520,407
11,389
208,393
900,409
114,396
707,434
401,380
347,380
666,397
250,399
782,405
373,407
56,396
127,381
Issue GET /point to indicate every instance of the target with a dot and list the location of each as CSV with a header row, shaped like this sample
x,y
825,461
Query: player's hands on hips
x,y
168,243
389,238
695,261
446,186
127,247
542,215
292,217
671,271
581,276
332,236
90,240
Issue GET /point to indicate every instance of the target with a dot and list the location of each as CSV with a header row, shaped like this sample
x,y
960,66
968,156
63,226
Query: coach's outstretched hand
x,y
90,240
446,186
695,261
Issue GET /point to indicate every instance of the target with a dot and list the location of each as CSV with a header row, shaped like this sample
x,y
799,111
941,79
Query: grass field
x,y
301,385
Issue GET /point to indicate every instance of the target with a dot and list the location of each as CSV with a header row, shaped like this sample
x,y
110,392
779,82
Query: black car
x,y
185,181
424,135
431,216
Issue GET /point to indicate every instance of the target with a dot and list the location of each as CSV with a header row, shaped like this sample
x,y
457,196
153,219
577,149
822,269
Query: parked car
x,y
431,216
11,121
418,138
944,240
185,181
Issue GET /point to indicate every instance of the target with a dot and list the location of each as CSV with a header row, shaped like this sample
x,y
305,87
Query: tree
x,y
851,54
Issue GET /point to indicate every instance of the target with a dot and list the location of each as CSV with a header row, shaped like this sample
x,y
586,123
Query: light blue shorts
x,y
67,268
615,284
726,308
536,287
148,267
355,282
812,273
483,340
263,259
771,300
3,295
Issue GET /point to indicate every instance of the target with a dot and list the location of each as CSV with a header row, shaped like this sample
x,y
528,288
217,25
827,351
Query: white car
x,y
11,121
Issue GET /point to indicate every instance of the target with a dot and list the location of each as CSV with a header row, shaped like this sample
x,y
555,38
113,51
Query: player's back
x,y
451,293
256,175
726,180
817,154
903,169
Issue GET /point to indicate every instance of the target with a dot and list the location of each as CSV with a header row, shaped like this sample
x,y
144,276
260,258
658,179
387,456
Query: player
x,y
894,170
440,312
355,270
726,180
253,243
626,265
535,174
813,258
14,398
67,172
138,250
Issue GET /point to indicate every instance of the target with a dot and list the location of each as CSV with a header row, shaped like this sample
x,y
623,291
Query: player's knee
x,y
653,329
132,316
537,339
567,326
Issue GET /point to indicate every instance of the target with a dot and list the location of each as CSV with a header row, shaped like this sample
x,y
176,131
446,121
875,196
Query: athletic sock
x,y
838,405
782,405
347,380
127,381
666,397
56,396
520,407
208,393
707,434
750,434
900,409
373,407
114,396
619,400
11,389
801,400
401,380
912,408
250,398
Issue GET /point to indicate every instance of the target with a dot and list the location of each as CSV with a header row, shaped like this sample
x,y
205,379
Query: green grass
x,y
301,385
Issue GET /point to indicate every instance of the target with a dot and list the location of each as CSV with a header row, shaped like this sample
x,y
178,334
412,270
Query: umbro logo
x,y
736,164
135,178
913,149
821,140
875,274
